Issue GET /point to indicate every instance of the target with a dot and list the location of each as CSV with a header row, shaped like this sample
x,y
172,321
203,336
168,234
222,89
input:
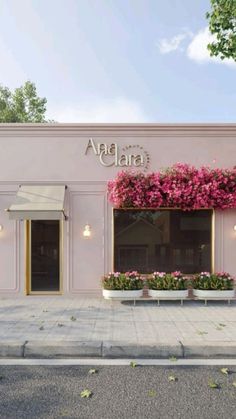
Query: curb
x,y
215,349
116,349
113,349
70,349
14,349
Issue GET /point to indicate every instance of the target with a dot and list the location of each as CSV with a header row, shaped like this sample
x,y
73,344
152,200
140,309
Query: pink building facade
x,y
63,241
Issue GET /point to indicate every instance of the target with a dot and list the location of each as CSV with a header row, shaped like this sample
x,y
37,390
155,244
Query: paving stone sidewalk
x,y
88,326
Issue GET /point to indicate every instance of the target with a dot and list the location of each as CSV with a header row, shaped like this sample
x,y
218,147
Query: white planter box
x,y
178,294
132,294
213,294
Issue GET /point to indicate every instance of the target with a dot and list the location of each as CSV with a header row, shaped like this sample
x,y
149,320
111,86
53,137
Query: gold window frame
x,y
28,290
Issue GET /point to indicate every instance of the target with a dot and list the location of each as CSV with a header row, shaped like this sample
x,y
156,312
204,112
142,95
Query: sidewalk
x,y
92,327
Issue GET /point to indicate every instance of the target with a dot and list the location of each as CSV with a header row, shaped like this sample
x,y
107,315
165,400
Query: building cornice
x,y
119,130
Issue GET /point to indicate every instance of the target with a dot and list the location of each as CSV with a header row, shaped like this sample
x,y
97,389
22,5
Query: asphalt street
x,y
117,392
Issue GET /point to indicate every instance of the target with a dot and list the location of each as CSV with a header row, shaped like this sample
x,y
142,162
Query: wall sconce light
x,y
87,231
1,227
234,227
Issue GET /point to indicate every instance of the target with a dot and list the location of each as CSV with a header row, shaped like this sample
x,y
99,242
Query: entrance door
x,y
44,255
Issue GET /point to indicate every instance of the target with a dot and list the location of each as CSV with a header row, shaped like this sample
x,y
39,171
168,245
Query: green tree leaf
x,y
202,332
73,319
86,393
152,393
22,104
222,24
213,384
93,371
172,378
133,364
225,371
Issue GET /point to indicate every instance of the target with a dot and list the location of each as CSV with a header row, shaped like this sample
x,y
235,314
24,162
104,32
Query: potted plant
x,y
170,285
216,285
122,285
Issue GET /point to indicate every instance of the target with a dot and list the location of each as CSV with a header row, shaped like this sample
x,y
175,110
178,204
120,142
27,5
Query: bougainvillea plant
x,y
181,186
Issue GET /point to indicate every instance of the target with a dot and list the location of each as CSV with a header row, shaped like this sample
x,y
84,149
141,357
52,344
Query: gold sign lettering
x,y
110,155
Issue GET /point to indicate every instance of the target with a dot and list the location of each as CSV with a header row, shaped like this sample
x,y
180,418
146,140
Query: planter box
x,y
178,294
213,294
131,294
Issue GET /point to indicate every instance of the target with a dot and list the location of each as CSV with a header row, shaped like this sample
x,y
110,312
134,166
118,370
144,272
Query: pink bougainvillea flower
x,y
181,186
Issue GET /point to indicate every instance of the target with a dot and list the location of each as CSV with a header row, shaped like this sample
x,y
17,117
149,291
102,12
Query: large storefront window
x,y
163,240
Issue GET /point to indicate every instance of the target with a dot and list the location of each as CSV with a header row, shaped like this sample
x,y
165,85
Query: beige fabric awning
x,y
38,202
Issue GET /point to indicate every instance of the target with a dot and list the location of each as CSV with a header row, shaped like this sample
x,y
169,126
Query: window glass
x,y
163,240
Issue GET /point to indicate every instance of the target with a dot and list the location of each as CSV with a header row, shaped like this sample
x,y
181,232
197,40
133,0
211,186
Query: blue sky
x,y
117,60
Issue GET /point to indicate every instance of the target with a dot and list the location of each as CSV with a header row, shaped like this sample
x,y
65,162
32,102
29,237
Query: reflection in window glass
x,y
163,240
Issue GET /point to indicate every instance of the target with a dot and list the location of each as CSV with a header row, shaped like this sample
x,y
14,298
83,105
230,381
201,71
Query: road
x,y
118,392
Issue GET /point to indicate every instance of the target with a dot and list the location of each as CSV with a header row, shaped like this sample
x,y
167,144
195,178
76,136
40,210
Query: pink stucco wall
x,y
56,154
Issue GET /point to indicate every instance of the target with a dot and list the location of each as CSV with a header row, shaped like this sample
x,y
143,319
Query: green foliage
x,y
222,24
22,105
218,281
167,281
123,281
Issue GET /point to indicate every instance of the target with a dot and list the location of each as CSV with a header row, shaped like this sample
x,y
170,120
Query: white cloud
x,y
114,110
197,49
168,45
175,43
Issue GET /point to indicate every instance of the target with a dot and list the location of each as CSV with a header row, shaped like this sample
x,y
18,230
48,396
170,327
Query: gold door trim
x,y
28,290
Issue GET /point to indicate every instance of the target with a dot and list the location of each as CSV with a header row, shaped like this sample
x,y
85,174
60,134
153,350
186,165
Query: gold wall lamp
x,y
87,231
